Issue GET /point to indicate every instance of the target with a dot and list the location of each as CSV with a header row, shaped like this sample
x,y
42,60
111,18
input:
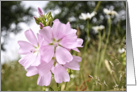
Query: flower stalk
x,y
98,4
99,47
58,87
107,41
43,88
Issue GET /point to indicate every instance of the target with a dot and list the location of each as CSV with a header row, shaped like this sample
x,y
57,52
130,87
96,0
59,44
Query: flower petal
x,y
76,49
41,40
45,67
32,71
44,73
58,29
74,64
47,52
27,60
63,55
25,47
69,41
60,74
46,32
83,16
77,58
44,80
37,60
79,42
31,37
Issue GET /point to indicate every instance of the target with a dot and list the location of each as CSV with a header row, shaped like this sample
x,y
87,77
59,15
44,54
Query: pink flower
x,y
59,71
30,50
60,39
43,70
74,64
60,74
51,48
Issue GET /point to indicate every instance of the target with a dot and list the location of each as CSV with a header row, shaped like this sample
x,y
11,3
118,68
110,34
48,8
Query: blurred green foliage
x,y
13,78
73,9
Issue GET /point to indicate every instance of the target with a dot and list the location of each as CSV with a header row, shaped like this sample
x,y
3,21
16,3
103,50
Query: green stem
x,y
43,88
85,50
107,40
65,85
88,36
98,4
98,60
51,89
58,87
88,29
104,50
104,35
99,47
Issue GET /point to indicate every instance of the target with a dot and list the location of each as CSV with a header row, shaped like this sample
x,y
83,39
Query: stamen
x,y
54,42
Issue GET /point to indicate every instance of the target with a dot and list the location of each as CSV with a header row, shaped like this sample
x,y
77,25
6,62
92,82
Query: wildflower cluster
x,y
49,52
110,12
98,28
85,16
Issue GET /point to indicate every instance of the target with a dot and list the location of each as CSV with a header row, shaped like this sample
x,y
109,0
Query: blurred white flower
x,y
85,16
110,12
98,28
72,76
121,50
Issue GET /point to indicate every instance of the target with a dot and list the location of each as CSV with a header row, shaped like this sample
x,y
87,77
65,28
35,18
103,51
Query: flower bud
x,y
48,15
49,19
40,12
41,25
36,19
47,22
43,20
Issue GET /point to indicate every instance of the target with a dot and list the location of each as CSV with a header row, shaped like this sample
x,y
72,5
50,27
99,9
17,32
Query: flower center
x,y
36,50
55,42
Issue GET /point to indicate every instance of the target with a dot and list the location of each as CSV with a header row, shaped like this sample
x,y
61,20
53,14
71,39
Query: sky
x,y
12,45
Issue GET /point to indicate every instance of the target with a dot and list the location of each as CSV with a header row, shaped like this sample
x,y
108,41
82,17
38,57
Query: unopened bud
x,y
41,25
47,22
36,19
49,19
43,20
48,15
40,12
